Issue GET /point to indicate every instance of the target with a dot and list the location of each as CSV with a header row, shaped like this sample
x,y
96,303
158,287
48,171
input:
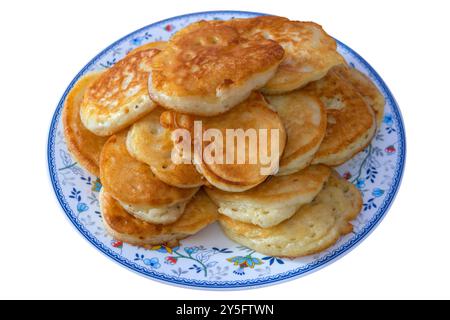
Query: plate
x,y
209,260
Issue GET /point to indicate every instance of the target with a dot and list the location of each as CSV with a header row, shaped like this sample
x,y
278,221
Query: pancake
x,y
309,51
160,45
82,144
199,213
351,121
207,68
152,144
305,120
366,88
133,184
253,113
119,97
273,201
313,228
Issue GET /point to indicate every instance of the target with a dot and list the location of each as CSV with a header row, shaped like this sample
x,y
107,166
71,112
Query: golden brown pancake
x,y
160,45
305,120
207,68
309,51
119,96
152,144
274,200
313,228
253,113
134,185
366,88
351,121
199,213
82,143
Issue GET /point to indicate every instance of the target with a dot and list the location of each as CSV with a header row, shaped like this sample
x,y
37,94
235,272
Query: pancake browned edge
x,y
119,96
273,201
199,213
82,144
366,88
351,121
309,51
305,120
160,45
151,143
133,184
208,68
314,228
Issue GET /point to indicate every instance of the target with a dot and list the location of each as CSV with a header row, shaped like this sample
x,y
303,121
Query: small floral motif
x,y
388,120
169,27
360,183
170,260
390,149
150,262
272,260
164,249
347,175
244,262
82,207
117,244
377,192
96,185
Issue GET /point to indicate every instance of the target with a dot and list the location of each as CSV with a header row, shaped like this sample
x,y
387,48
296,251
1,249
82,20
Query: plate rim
x,y
236,284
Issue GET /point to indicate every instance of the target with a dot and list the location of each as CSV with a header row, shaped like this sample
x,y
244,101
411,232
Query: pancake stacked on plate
x,y
267,74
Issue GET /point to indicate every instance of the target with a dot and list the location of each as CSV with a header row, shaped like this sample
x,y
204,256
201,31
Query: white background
x,y
45,43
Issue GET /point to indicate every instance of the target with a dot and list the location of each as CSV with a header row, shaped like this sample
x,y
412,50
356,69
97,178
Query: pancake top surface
x,y
309,51
338,203
160,45
120,92
253,113
205,58
199,213
81,142
281,188
132,181
152,144
348,115
304,118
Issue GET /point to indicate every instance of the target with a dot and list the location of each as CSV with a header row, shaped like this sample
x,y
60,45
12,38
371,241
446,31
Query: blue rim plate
x,y
209,260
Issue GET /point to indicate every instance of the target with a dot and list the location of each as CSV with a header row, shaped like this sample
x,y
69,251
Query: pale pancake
x,y
119,97
351,121
305,120
152,144
207,68
199,213
82,143
133,184
160,45
253,113
366,88
309,51
273,201
315,227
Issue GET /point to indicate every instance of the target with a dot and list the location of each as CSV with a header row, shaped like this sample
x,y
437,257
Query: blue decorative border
x,y
332,256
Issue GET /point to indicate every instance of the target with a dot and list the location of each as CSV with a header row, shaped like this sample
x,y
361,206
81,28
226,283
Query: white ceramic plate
x,y
209,260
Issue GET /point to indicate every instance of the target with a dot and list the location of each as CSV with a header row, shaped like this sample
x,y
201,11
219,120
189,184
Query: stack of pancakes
x,y
260,73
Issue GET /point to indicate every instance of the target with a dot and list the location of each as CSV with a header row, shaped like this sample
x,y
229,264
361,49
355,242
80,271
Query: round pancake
x,y
305,120
313,228
119,96
199,213
274,200
207,68
351,121
133,184
309,51
253,113
82,143
152,144
366,88
160,45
